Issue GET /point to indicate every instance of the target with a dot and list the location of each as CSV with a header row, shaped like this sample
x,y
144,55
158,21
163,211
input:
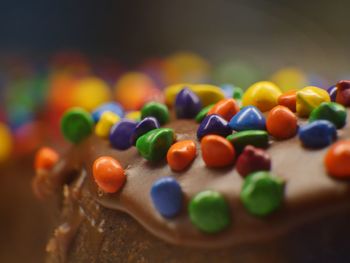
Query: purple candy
x,y
213,124
332,91
187,104
120,135
144,126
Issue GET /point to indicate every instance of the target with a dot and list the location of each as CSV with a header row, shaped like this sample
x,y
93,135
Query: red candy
x,y
226,108
337,160
343,93
217,151
181,154
45,159
281,123
289,100
252,160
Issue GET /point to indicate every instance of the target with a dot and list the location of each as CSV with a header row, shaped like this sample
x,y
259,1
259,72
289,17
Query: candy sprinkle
x,y
281,123
343,93
120,135
248,118
201,115
332,91
105,123
187,104
226,108
114,107
337,160
256,138
45,159
209,212
181,154
309,98
289,100
144,126
217,151
157,110
330,111
213,124
252,160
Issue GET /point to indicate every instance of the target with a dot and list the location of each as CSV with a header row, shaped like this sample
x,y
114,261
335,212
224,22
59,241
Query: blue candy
x,y
332,91
111,106
120,135
144,126
167,196
187,104
318,134
213,124
248,118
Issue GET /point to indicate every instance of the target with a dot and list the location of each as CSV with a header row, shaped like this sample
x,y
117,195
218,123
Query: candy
x,y
213,124
108,174
263,95
289,78
181,154
337,160
144,126
208,94
237,93
157,110
209,212
318,134
332,91
252,160
330,111
309,98
231,91
281,123
187,104
201,115
6,142
167,196
45,159
256,138
76,124
133,115
262,193
248,118
217,151
114,107
120,135
105,123
226,108
289,100
343,93
154,145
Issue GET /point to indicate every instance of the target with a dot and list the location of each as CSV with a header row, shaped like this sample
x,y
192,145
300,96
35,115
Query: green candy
x,y
76,124
262,193
256,138
201,115
209,212
154,145
330,111
237,93
157,110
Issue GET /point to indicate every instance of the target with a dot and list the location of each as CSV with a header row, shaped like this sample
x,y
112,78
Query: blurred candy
x,y
213,124
232,91
289,100
337,160
289,78
157,110
226,108
262,193
145,125
332,91
248,118
6,142
120,134
109,175
133,115
181,154
76,124
330,111
154,145
209,212
167,196
201,115
105,123
309,98
252,160
187,104
343,93
217,151
111,107
45,158
318,134
262,94
237,93
257,138
281,123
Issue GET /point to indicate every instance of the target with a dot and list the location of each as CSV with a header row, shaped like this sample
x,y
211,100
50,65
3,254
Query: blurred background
x,y
55,54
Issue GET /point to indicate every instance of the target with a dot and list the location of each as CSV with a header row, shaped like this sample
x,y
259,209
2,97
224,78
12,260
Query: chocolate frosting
x,y
309,192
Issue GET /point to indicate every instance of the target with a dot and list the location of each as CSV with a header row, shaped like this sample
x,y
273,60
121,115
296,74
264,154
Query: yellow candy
x,y
104,125
309,98
6,142
289,78
262,94
208,94
133,115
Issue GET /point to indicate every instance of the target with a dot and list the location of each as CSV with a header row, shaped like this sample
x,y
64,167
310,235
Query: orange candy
x,y
217,151
108,174
45,158
281,123
226,108
337,160
181,154
289,100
